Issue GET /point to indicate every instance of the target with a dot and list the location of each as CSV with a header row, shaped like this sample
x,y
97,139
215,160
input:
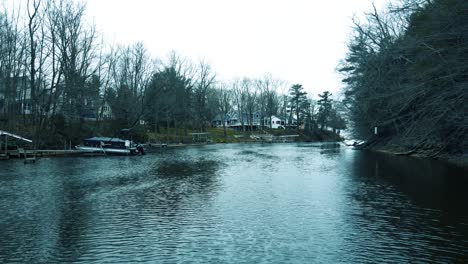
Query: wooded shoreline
x,y
458,160
405,76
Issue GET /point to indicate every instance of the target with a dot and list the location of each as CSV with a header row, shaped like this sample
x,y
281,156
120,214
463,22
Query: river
x,y
271,203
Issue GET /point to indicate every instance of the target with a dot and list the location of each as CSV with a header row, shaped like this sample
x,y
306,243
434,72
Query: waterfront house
x,y
275,122
232,120
105,111
239,122
280,122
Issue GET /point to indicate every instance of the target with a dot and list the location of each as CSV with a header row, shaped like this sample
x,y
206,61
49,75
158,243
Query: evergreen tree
x,y
325,108
298,98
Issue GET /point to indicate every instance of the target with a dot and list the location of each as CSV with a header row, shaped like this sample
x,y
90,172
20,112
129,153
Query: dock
x,y
6,153
29,155
274,139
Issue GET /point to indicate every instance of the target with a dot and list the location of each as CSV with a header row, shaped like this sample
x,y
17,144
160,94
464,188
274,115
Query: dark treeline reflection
x,y
433,184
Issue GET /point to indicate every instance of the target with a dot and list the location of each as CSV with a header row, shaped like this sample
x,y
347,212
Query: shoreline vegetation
x,y
61,83
457,160
168,139
388,148
406,79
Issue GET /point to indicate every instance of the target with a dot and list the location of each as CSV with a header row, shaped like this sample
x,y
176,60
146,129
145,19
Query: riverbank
x,y
171,139
150,147
458,160
216,135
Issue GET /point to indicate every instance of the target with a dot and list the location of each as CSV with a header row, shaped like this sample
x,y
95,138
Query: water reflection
x,y
415,208
270,203
429,183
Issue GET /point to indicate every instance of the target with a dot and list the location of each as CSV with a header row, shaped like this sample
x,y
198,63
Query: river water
x,y
272,203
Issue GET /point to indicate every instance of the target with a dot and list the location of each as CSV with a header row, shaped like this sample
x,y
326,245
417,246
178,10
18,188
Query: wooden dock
x,y
30,156
6,153
273,139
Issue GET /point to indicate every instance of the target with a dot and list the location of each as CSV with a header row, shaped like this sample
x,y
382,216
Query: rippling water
x,y
285,203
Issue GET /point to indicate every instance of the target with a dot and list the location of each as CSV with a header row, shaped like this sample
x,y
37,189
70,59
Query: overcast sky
x,y
299,41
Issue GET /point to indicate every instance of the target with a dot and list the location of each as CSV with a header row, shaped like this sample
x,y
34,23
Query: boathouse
x,y
8,144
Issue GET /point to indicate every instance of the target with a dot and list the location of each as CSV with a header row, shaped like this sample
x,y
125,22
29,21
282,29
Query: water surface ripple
x,y
284,203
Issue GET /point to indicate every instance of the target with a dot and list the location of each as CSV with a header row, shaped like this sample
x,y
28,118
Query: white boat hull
x,y
127,151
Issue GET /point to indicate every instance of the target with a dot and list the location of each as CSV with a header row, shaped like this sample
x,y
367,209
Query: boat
x,y
108,145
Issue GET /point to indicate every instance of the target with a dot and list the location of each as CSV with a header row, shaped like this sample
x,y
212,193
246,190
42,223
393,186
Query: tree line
x,y
406,75
56,73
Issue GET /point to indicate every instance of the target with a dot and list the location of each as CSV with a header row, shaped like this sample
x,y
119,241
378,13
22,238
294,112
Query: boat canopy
x,y
106,142
14,136
105,139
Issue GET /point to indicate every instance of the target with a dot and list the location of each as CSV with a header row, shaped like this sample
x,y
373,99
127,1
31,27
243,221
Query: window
x,y
278,122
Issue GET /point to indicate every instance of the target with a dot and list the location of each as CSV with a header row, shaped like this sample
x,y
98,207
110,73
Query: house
x,y
93,113
235,121
105,111
281,123
275,121
232,120
291,123
217,121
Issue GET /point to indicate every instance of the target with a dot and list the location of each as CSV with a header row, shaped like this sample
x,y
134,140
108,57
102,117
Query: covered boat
x,y
108,145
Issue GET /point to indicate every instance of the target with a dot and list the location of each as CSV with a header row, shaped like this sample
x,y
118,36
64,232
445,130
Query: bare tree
x,y
404,75
268,96
239,101
225,104
33,26
205,79
12,53
251,96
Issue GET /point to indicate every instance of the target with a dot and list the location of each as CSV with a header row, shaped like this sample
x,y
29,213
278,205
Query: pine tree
x,y
298,98
325,108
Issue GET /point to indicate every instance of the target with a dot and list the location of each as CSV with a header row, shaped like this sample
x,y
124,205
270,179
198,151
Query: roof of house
x,y
284,117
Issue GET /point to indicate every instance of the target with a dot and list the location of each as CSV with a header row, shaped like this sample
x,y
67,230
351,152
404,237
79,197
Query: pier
x,y
5,153
273,139
9,150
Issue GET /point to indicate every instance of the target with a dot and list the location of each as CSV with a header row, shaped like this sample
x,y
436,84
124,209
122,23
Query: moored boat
x,y
108,145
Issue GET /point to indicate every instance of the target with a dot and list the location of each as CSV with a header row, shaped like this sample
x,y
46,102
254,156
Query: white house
x,y
277,122
232,120
105,111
